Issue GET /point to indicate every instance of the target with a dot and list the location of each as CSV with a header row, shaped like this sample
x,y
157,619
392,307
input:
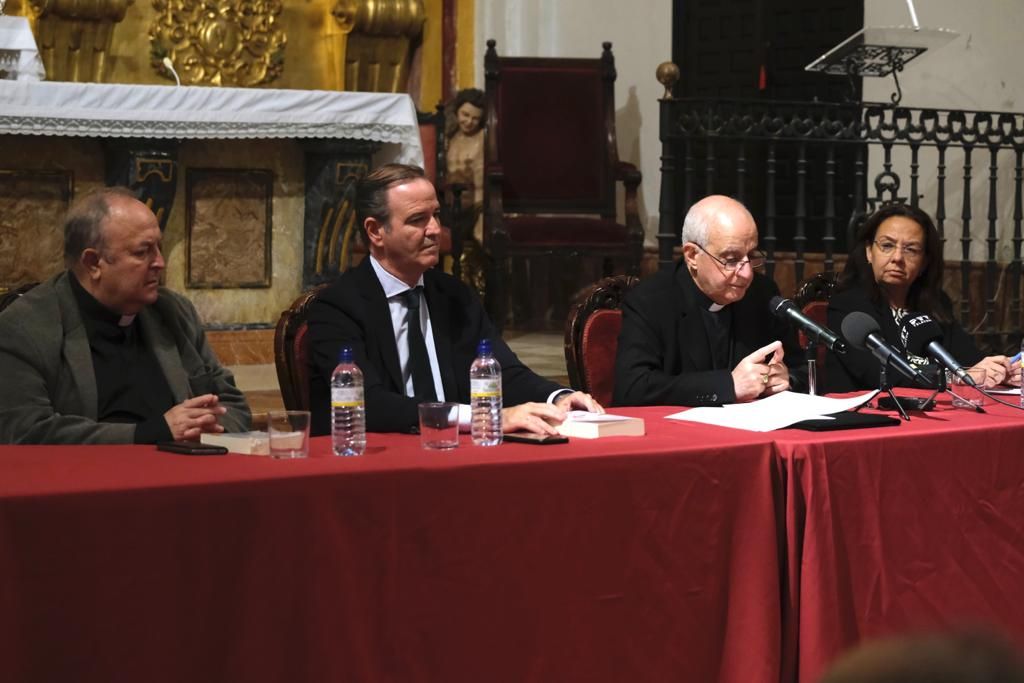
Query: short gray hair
x,y
83,225
696,225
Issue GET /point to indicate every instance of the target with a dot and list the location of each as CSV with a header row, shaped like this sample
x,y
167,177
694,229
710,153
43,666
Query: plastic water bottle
x,y
348,419
485,397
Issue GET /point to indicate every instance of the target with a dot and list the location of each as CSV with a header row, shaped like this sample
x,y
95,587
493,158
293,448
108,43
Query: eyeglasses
x,y
755,259
910,251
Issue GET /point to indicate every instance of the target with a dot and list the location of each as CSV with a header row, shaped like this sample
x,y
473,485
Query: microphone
x,y
862,331
784,308
169,65
922,336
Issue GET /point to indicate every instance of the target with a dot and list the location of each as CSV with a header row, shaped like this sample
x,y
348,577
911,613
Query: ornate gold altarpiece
x,y
361,45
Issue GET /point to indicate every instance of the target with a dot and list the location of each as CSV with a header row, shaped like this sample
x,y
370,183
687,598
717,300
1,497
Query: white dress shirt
x,y
394,290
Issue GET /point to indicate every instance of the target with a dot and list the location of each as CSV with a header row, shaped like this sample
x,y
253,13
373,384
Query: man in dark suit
x,y
414,330
703,333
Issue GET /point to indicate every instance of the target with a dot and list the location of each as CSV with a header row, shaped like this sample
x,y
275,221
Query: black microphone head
x,y
917,331
857,326
777,304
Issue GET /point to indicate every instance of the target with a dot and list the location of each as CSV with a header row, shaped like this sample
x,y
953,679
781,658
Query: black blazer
x,y
354,311
664,356
856,369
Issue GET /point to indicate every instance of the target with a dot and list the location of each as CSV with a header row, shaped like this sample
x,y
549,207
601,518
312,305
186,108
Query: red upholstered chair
x,y
592,336
551,166
291,355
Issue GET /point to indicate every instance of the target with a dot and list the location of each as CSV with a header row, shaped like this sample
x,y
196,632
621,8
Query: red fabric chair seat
x,y
592,336
600,343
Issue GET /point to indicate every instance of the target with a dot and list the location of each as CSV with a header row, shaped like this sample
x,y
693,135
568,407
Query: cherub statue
x,y
465,158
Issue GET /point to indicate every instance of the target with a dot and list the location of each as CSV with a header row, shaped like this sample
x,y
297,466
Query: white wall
x,y
641,37
980,70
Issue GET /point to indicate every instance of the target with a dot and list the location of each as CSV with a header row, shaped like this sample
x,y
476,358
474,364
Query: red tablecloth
x,y
621,559
903,528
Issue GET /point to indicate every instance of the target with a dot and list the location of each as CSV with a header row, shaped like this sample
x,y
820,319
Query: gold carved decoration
x,y
231,43
380,34
74,36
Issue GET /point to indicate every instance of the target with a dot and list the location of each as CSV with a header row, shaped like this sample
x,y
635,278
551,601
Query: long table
x,y
652,559
696,553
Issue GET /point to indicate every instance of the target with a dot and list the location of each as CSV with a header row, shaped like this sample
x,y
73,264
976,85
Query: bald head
x,y
718,233
715,210
112,243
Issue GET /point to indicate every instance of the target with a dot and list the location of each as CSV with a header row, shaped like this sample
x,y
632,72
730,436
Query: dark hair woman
x,y
895,268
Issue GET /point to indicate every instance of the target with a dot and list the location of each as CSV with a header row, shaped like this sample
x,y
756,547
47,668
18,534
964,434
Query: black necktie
x,y
419,361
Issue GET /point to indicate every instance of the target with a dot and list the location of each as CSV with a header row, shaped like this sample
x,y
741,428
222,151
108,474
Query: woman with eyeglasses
x,y
894,269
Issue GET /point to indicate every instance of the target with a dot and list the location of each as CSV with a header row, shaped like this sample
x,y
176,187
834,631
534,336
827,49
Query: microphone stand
x,y
811,356
941,386
883,385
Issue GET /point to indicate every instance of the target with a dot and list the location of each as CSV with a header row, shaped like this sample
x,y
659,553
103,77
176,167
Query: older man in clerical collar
x,y
703,333
101,353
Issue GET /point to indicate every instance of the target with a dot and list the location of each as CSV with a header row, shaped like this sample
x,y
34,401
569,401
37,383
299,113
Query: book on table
x,y
246,443
586,425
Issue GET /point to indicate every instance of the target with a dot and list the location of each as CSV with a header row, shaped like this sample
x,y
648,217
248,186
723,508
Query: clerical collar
x,y
703,300
92,308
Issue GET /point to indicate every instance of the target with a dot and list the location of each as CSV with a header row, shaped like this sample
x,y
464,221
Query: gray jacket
x,y
48,383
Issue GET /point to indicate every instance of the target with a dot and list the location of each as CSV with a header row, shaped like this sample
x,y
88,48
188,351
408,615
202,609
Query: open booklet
x,y
586,425
775,412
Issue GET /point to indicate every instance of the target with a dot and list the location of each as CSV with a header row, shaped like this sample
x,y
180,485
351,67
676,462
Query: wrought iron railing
x,y
810,171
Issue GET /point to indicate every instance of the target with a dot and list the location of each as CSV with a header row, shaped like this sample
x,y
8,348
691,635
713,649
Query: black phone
x,y
190,448
908,403
536,439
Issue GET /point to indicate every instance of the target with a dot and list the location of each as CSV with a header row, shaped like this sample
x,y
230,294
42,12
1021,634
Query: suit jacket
x,y
859,369
354,311
664,354
50,394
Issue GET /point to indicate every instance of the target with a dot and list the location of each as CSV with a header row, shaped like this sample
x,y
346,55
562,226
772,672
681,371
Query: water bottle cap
x,y
484,347
345,355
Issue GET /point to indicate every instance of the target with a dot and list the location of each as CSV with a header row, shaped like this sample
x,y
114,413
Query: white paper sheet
x,y
774,412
